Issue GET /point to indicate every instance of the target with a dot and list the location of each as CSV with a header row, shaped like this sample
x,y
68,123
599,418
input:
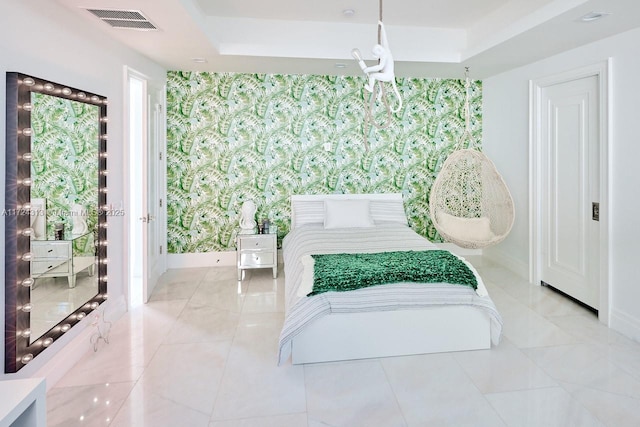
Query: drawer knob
x,y
257,243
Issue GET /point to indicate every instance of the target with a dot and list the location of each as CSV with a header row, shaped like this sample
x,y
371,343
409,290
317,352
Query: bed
x,y
388,320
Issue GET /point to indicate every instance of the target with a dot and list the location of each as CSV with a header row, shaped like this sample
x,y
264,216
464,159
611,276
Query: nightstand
x,y
257,251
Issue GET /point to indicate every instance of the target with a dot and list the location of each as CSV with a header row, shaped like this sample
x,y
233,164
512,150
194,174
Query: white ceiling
x,y
428,38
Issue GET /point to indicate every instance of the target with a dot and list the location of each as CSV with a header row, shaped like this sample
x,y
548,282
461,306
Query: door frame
x,y
603,71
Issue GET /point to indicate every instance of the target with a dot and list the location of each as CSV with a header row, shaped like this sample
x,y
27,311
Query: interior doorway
x,y
569,185
145,175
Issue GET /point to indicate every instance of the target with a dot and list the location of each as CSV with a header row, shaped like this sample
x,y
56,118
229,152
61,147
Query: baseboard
x,y
507,261
71,352
205,259
626,324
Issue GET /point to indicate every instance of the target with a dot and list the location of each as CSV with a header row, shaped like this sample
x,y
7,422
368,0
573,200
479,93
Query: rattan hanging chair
x,y
470,204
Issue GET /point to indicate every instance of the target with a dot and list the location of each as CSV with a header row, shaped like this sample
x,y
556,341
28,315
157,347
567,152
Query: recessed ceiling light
x,y
348,13
593,16
199,60
341,65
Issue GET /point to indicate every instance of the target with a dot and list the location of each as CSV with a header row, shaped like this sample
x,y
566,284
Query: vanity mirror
x,y
55,213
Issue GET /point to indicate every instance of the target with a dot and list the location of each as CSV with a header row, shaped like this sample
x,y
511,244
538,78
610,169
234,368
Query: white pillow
x,y
388,211
307,212
474,229
347,214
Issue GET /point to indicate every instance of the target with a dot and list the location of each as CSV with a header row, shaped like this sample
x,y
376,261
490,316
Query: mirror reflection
x,y
64,170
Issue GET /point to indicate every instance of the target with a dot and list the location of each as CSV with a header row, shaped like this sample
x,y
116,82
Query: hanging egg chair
x,y
470,204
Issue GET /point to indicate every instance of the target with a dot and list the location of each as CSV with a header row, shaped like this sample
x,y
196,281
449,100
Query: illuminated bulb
x,y
95,305
27,182
27,131
80,315
27,232
49,87
95,98
104,190
66,91
104,119
27,256
27,157
106,208
47,342
104,278
26,206
65,327
26,358
104,225
105,102
28,282
105,296
104,154
104,137
29,81
27,307
105,261
81,95
104,243
26,333
104,172
27,106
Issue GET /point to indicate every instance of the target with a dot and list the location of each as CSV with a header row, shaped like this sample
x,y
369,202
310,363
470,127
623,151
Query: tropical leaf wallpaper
x,y
64,168
262,137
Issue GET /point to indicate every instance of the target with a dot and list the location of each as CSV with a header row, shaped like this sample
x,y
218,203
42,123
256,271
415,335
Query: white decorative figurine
x,y
383,71
248,217
79,224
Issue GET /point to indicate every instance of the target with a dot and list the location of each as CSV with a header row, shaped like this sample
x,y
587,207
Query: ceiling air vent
x,y
128,19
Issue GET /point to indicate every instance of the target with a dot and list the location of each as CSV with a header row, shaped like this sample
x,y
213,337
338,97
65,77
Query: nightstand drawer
x,y
256,242
50,249
39,267
254,259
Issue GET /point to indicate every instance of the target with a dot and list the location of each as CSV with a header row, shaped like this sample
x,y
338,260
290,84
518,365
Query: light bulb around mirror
x,y
47,342
25,333
27,106
81,95
95,305
27,131
26,358
27,307
27,256
27,182
27,157
26,206
65,327
49,87
28,282
27,232
95,98
66,91
28,81
80,315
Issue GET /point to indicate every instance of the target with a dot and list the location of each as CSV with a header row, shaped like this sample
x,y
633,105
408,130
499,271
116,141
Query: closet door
x,y
570,188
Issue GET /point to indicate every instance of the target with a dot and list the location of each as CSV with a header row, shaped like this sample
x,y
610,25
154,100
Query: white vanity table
x,y
23,403
63,258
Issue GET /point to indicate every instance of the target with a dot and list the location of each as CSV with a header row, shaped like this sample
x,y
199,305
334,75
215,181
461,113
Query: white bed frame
x,y
348,336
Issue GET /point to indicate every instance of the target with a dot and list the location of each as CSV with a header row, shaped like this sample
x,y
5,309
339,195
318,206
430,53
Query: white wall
x,y
505,140
43,39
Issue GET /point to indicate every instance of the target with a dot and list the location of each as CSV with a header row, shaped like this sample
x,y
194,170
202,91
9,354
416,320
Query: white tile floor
x,y
203,352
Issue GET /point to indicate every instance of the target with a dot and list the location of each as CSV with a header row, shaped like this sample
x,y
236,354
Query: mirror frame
x,y
18,281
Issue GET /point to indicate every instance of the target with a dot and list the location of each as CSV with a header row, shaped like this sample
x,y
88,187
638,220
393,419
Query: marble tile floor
x,y
203,352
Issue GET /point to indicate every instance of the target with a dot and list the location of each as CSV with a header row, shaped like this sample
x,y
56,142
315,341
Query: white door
x,y
154,247
146,186
570,187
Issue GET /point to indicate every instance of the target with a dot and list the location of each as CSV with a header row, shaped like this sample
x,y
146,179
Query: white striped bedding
x,y
314,239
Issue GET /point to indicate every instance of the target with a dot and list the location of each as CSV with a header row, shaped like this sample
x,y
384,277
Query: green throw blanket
x,y
346,272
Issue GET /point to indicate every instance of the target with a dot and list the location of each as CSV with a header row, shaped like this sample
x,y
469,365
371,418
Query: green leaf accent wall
x,y
65,158
262,137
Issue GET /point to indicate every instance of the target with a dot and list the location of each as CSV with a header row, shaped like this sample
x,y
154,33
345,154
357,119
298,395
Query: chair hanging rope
x,y
470,204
